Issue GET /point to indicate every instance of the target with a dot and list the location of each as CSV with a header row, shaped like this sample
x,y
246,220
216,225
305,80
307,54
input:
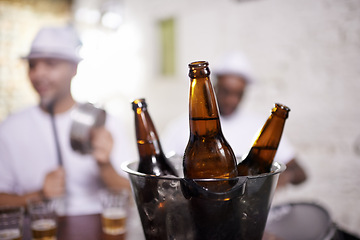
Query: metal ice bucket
x,y
179,208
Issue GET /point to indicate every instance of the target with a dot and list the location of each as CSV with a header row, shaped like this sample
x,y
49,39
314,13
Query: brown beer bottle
x,y
152,157
261,155
208,154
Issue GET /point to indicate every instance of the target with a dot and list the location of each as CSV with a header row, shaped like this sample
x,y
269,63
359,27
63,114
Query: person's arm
x,y
111,178
54,186
294,174
17,200
102,143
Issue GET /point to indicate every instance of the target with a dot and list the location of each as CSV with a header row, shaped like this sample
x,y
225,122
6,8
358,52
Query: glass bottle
x,y
208,154
261,155
152,158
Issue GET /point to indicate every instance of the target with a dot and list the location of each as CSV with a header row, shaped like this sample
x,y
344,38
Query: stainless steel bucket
x,y
179,208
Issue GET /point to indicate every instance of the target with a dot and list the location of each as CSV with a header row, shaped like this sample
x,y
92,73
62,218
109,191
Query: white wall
x,y
306,55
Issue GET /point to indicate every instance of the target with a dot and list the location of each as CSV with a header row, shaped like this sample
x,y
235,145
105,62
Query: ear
x,y
74,68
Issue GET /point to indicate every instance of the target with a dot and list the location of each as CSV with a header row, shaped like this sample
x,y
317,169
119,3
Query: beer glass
x,y
43,219
115,210
11,223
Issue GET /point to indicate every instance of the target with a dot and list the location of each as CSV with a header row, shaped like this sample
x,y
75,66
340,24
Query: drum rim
x,y
331,228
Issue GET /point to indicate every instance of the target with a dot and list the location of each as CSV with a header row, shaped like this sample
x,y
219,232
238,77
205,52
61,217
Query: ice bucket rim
x,y
277,168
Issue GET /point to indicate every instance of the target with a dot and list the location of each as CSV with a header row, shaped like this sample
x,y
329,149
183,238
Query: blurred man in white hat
x,y
232,74
28,150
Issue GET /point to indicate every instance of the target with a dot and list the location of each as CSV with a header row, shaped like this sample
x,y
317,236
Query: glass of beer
x,y
11,223
43,219
115,210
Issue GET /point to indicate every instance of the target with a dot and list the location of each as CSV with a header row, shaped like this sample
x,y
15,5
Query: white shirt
x,y
239,130
28,153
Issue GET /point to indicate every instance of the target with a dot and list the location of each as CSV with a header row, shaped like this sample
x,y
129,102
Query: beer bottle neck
x,y
203,111
271,132
147,139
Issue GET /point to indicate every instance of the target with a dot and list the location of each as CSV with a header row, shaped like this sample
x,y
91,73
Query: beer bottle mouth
x,y
282,106
199,69
284,110
139,103
198,64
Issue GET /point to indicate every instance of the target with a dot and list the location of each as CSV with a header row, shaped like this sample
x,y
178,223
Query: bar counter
x,y
89,227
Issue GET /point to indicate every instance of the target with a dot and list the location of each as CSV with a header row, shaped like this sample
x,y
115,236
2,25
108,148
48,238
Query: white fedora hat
x,y
56,42
234,63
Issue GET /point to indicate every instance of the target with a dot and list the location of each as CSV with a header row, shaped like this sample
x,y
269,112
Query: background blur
x,y
305,54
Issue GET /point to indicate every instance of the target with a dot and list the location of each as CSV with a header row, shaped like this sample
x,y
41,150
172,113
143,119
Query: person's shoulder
x,y
18,117
179,123
247,117
251,115
113,120
117,126
16,121
182,118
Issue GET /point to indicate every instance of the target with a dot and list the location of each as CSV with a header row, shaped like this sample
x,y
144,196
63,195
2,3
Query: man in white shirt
x,y
28,154
233,74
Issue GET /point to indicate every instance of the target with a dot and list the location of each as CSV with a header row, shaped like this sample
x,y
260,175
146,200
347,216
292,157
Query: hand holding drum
x,y
85,118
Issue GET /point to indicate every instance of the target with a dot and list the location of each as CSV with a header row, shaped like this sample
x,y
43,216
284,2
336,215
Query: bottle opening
x,y
139,103
281,110
282,106
199,64
199,69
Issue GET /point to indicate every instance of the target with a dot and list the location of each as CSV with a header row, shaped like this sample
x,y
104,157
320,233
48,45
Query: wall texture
x,y
19,22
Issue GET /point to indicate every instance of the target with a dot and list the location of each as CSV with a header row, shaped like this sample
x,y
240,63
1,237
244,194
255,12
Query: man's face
x,y
51,78
229,92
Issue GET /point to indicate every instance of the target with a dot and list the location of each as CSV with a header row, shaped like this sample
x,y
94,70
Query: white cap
x,y
234,63
56,42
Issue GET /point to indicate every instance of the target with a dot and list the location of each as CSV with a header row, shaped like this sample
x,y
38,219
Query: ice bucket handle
x,y
190,188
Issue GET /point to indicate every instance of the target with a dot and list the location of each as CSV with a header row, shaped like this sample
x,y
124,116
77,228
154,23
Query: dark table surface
x,y
89,227
76,228
85,227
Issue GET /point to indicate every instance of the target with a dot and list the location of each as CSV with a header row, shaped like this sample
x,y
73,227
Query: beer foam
x,y
114,213
9,234
43,224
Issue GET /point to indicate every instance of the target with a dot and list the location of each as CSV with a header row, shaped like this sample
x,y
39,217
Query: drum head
x,y
299,221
